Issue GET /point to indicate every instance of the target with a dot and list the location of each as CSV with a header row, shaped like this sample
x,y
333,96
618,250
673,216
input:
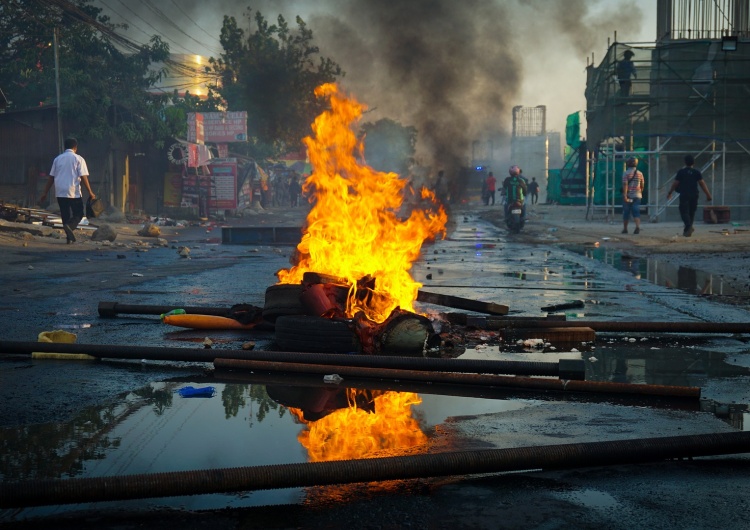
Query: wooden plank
x,y
457,302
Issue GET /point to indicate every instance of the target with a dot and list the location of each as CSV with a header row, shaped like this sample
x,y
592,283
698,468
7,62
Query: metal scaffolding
x,y
684,94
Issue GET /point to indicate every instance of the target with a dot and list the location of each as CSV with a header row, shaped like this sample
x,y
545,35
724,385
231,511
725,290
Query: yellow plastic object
x,y
57,335
60,336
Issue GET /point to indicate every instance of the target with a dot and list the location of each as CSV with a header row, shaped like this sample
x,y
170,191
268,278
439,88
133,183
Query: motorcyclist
x,y
514,189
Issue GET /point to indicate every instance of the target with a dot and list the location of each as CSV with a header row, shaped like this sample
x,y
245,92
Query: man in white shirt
x,y
68,171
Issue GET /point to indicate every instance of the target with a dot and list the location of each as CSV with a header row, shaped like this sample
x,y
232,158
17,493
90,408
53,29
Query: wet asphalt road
x,y
478,261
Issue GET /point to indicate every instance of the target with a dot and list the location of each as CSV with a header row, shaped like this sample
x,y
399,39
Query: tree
x,y
271,73
104,79
389,146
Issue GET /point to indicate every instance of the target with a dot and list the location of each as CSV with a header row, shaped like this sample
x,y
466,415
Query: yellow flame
x,y
353,229
352,433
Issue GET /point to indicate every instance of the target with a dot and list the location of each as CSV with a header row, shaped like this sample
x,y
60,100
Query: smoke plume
x,y
454,70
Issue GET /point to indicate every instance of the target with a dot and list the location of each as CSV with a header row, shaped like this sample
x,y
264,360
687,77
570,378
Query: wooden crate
x,y
562,335
716,214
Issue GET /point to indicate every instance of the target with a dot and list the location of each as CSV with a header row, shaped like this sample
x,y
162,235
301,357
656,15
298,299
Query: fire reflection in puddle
x,y
385,426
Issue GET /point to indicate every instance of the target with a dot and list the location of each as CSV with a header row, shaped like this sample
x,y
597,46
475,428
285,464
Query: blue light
x,y
479,168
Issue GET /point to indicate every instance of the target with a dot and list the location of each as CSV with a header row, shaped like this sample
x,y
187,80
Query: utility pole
x,y
57,92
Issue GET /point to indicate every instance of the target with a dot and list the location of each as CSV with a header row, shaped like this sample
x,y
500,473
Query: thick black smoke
x,y
446,67
452,69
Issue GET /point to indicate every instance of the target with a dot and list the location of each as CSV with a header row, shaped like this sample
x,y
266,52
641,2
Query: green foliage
x,y
389,146
272,73
104,86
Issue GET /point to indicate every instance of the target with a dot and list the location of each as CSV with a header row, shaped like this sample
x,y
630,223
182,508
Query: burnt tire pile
x,y
296,331
315,335
282,300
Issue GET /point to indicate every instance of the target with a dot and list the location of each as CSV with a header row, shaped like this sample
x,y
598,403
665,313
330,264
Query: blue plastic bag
x,y
190,391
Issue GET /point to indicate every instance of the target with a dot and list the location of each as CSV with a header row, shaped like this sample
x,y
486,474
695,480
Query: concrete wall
x,y
531,153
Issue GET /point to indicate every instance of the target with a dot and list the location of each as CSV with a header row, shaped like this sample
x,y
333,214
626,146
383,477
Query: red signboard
x,y
198,155
199,134
223,183
220,127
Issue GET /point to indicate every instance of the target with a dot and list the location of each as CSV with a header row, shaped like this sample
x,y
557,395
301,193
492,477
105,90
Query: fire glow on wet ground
x,y
155,430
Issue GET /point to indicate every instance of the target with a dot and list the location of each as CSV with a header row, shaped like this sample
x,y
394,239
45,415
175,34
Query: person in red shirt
x,y
491,182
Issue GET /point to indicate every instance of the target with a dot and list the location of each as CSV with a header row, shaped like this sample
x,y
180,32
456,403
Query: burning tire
x,y
315,335
283,300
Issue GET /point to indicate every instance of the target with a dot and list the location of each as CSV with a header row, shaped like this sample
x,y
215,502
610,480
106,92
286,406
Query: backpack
x,y
515,191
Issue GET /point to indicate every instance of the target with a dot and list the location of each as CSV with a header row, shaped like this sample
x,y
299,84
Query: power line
x,y
156,31
194,22
125,20
71,9
170,22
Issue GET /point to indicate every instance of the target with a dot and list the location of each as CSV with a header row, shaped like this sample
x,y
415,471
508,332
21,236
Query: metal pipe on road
x,y
564,369
458,390
201,482
464,378
112,309
619,326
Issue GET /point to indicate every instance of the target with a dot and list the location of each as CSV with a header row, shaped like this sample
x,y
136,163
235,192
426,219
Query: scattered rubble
x,y
105,232
149,230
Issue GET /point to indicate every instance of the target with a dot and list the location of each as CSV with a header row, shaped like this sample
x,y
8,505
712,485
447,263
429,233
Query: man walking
x,y
534,190
633,185
68,171
686,184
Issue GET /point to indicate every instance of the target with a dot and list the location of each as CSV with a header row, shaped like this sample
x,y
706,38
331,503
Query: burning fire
x,y
353,230
355,433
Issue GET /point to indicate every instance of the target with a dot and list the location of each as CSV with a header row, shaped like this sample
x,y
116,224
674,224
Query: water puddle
x,y
156,430
253,419
590,498
685,279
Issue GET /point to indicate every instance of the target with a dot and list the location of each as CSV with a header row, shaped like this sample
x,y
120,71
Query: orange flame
x,y
352,433
353,230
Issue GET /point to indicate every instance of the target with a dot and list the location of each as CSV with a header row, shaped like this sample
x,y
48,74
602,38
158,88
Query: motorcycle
x,y
514,217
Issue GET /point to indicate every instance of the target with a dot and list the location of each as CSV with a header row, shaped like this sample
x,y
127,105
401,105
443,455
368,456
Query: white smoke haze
x,y
454,70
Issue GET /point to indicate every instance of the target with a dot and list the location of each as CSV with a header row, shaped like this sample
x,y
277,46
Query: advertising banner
x,y
224,183
191,191
172,189
198,155
198,121
219,127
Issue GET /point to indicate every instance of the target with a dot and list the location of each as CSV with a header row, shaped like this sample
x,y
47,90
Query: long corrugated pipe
x,y
467,379
448,389
642,327
565,368
201,482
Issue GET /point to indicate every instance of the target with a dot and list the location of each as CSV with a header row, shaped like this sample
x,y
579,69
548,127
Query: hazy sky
x,y
454,69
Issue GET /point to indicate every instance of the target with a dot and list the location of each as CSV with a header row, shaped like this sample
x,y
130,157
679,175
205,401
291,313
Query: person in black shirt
x,y
686,183
534,190
625,70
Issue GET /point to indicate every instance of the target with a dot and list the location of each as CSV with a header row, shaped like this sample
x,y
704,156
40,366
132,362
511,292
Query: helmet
x,y
514,171
631,162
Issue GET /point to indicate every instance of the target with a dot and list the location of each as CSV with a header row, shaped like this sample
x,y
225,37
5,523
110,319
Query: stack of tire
x,y
299,332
